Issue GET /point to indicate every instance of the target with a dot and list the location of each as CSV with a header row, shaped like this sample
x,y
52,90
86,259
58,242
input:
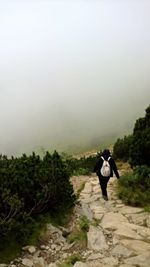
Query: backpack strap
x,y
106,159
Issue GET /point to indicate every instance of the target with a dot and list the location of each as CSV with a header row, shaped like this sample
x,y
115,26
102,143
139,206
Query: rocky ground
x,y
118,235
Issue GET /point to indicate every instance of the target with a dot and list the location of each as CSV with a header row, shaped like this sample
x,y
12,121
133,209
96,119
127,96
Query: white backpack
x,y
105,169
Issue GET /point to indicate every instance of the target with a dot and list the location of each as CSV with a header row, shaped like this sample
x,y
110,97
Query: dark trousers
x,y
103,184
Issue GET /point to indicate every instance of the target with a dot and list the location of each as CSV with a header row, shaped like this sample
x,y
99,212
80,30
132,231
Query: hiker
x,y
104,169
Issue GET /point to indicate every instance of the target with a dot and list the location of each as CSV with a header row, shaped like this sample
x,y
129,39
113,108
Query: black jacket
x,y
112,163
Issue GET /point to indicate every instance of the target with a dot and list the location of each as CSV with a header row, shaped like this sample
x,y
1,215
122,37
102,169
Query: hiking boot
x,y
105,197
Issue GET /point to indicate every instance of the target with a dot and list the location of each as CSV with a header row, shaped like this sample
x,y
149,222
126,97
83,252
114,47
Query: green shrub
x,y
30,186
140,147
121,149
134,188
135,148
82,166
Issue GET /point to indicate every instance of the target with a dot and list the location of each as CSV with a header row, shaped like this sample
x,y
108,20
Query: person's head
x,y
106,153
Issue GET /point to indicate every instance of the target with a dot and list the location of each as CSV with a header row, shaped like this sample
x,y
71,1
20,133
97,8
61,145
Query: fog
x,y
71,72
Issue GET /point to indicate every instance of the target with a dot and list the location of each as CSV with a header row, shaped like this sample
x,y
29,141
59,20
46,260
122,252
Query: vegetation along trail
x,y
117,235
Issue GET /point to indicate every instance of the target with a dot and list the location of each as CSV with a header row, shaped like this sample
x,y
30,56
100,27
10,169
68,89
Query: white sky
x,y
71,70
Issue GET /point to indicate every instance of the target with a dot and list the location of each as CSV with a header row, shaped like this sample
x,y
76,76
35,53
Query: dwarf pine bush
x,y
30,186
134,187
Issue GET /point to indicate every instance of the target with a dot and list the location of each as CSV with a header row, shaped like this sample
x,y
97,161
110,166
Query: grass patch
x,y
123,165
77,236
79,233
96,222
147,208
70,261
84,224
80,189
81,171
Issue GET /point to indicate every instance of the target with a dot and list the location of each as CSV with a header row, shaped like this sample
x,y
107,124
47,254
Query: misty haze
x,y
72,73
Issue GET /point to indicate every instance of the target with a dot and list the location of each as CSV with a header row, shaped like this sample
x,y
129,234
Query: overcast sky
x,y
71,71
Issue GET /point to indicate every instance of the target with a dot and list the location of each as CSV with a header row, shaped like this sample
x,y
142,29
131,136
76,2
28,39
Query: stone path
x,y
119,235
122,235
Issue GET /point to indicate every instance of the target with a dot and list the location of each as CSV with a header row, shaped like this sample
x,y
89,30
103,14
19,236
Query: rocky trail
x,y
120,237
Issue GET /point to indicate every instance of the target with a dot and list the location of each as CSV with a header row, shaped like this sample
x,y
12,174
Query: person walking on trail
x,y
104,169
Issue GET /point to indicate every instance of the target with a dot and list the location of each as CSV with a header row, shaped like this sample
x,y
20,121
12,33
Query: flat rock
x,y
39,262
27,262
30,249
112,220
87,211
94,182
96,239
119,205
97,191
95,198
130,210
142,260
95,256
80,264
137,246
87,188
98,216
112,202
126,265
86,200
110,261
138,218
97,209
123,251
126,231
96,205
142,231
97,263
